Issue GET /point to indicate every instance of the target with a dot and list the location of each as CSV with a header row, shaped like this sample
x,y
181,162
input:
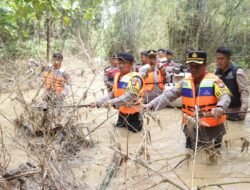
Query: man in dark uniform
x,y
236,80
202,93
126,96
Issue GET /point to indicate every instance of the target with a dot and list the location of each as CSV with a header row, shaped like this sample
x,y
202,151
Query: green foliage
x,y
179,25
103,27
25,20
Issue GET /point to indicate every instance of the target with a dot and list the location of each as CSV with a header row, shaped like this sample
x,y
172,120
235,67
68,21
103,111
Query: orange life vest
x,y
54,81
119,88
205,99
150,82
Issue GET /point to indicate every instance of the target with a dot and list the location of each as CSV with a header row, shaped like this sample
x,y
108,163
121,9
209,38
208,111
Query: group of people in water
x,y
210,98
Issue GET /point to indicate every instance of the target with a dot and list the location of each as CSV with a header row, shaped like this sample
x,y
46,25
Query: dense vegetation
x,y
100,27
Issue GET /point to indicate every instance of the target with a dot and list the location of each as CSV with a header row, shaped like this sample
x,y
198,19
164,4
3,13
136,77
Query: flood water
x,y
166,149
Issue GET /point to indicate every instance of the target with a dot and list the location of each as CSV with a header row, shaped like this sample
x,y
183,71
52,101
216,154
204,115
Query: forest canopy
x,y
91,28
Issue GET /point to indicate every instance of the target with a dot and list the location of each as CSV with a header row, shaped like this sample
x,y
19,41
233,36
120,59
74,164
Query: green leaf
x,y
67,20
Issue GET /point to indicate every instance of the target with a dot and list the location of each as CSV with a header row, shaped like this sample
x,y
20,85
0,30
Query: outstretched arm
x,y
167,96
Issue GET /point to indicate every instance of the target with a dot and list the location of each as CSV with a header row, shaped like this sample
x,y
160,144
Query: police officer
x,y
126,95
56,80
143,59
170,57
171,66
161,53
202,93
154,76
110,71
236,80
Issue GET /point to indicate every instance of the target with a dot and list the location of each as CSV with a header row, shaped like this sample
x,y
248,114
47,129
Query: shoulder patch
x,y
134,81
220,83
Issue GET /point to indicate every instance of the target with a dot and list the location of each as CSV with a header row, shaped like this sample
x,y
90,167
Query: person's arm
x,y
132,91
144,71
101,101
242,81
222,93
163,71
224,101
68,84
167,96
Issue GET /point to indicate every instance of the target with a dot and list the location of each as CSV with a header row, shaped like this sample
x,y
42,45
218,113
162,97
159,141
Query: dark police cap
x,y
198,57
145,53
125,57
57,56
152,53
114,56
169,52
161,51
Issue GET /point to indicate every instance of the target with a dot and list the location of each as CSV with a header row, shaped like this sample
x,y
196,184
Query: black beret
x,y
198,57
125,57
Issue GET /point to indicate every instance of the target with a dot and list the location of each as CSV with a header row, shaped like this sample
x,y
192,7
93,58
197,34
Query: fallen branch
x,y
222,184
112,169
149,168
19,174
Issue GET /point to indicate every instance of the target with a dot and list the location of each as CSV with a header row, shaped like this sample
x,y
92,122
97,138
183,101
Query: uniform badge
x,y
134,81
194,55
220,84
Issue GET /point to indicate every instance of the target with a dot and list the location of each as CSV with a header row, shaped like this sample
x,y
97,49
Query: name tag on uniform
x,y
229,75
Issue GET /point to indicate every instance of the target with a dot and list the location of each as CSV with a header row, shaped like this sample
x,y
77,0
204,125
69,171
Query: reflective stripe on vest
x,y
54,80
205,99
150,82
119,88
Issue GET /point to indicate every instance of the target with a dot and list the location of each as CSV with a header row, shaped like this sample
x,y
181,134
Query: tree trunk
x,y
48,23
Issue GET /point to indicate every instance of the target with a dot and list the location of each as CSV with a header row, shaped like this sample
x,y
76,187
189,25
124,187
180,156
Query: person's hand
x,y
147,107
107,104
217,112
92,105
160,66
243,115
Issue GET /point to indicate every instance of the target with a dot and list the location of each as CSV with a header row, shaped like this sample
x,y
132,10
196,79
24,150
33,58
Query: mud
x,y
161,151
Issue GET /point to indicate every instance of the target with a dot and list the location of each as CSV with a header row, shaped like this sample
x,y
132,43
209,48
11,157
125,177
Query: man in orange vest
x,y
55,80
154,76
205,96
126,95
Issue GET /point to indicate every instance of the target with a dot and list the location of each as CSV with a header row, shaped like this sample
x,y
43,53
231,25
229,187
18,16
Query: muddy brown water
x,y
166,149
